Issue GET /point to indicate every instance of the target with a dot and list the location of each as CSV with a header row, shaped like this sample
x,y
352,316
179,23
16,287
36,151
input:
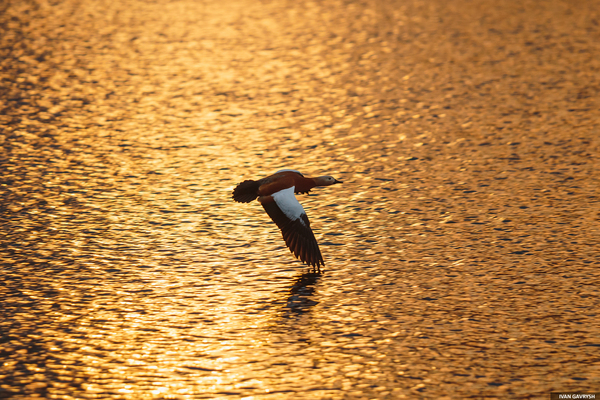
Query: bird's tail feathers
x,y
246,191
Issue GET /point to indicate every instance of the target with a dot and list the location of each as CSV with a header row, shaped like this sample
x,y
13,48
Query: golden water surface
x,y
461,252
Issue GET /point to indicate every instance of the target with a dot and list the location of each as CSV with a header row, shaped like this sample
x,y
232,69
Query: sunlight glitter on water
x,y
129,272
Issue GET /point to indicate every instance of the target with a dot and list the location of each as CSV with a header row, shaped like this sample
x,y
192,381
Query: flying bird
x,y
276,193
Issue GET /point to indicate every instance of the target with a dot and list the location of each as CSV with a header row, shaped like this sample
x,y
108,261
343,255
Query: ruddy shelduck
x,y
276,193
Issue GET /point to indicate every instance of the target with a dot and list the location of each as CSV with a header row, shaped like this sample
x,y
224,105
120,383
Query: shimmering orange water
x,y
461,251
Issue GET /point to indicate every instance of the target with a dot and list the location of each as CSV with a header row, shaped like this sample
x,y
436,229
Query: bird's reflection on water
x,y
299,300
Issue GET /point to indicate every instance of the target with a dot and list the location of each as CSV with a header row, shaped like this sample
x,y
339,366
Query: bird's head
x,y
326,180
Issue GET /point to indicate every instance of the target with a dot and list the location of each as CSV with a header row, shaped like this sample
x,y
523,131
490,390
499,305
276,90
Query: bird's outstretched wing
x,y
290,217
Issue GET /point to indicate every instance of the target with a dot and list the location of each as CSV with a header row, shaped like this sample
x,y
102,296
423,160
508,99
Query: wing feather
x,y
285,210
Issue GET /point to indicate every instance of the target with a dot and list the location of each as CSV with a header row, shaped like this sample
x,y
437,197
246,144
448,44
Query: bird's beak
x,y
336,181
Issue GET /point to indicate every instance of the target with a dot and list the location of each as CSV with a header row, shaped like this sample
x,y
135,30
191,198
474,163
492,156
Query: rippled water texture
x,y
461,252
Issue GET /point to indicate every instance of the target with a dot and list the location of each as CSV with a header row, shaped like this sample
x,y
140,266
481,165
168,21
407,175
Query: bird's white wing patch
x,y
288,204
289,170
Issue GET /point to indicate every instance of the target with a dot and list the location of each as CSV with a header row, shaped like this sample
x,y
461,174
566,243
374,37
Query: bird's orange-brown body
x,y
284,180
